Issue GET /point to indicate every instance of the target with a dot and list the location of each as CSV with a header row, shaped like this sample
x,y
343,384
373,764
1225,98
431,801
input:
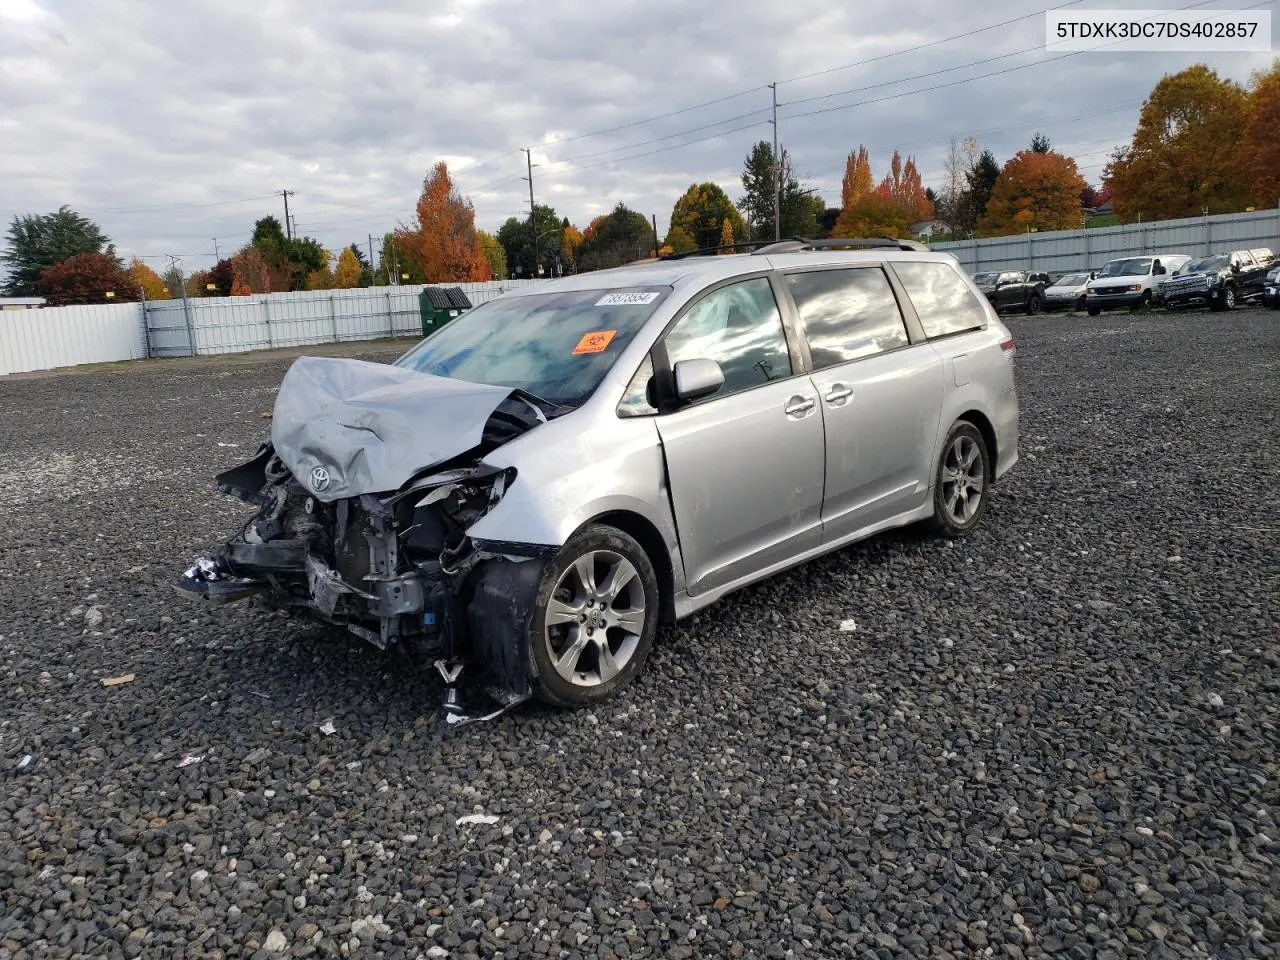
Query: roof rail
x,y
798,244
712,251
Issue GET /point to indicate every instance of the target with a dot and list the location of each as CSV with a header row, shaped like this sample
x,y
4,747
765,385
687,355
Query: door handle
x,y
839,393
798,406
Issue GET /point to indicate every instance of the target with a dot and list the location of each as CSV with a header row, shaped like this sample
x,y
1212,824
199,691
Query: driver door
x,y
745,464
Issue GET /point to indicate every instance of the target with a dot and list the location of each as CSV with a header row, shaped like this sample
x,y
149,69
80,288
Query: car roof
x,y
701,270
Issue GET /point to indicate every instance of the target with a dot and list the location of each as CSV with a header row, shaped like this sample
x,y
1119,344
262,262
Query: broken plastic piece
x,y
117,681
848,626
484,818
188,759
327,728
26,762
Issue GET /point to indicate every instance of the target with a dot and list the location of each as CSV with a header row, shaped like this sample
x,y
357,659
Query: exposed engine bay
x,y
396,568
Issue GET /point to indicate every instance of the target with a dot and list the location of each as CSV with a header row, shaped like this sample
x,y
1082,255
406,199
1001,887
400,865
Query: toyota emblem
x,y
319,479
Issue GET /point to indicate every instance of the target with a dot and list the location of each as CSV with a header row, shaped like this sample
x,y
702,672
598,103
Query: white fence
x,y
68,336
1069,250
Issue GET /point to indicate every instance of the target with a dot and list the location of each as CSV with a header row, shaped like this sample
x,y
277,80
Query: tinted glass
x,y
740,328
557,346
942,300
847,314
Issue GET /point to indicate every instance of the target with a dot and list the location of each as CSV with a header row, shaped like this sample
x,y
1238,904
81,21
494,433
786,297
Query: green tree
x,y
494,254
971,203
702,213
799,208
1185,156
38,242
518,241
1040,143
679,240
622,236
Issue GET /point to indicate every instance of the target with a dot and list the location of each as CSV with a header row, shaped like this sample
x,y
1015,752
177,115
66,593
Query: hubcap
x,y
963,480
595,618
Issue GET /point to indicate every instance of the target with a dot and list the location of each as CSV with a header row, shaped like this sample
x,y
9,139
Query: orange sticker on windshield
x,y
594,342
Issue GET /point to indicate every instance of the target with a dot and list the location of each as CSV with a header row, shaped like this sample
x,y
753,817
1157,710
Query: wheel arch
x,y
988,431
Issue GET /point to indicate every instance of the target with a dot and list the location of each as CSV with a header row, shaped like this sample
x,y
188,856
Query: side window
x,y
1246,259
941,298
847,314
740,328
635,399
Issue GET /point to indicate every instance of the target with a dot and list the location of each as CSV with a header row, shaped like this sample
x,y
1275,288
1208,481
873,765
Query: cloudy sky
x,y
175,123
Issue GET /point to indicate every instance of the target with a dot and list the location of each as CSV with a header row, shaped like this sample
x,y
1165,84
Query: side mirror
x,y
698,378
1235,268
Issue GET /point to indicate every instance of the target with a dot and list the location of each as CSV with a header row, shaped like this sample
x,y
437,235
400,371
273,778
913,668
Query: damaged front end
x,y
395,568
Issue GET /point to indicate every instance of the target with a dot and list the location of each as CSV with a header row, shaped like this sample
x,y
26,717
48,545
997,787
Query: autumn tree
x,y
250,272
570,240
702,212
87,278
1185,155
322,277
875,215
494,255
1261,147
147,280
347,274
1035,191
222,275
445,242
37,242
902,186
857,182
198,284
726,234
679,240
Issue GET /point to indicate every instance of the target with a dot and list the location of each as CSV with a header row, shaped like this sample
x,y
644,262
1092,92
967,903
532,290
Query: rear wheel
x,y
596,618
1033,305
1081,304
1226,300
962,480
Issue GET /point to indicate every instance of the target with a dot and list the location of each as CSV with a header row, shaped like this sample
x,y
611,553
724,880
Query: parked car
x,y
1221,281
1013,289
1067,292
1132,282
527,493
1271,290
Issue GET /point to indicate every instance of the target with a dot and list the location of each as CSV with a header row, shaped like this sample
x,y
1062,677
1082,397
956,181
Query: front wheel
x,y
1081,304
1144,303
596,618
961,483
1094,311
1033,305
1226,300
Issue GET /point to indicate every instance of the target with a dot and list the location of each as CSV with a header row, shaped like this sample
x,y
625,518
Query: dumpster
x,y
436,309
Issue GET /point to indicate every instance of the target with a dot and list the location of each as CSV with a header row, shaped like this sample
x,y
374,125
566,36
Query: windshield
x,y
556,346
1219,262
1071,280
1136,267
981,278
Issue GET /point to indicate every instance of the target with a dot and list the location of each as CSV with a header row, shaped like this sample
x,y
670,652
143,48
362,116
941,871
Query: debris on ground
x,y
26,762
118,681
188,759
486,819
92,617
327,728
848,626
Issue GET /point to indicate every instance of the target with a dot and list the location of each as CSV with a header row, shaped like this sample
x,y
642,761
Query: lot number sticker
x,y
594,342
627,299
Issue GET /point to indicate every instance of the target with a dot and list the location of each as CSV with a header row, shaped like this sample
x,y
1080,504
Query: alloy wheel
x,y
964,480
595,618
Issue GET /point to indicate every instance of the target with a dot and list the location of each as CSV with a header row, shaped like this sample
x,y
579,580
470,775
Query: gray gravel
x,y
1057,738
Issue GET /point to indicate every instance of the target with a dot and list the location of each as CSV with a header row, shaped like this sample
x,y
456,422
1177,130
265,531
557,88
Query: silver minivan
x,y
527,494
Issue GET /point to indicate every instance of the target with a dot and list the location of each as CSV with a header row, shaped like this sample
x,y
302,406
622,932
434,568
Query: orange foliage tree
x,y
902,185
445,243
148,280
250,273
1262,135
1035,190
857,178
570,241
86,278
875,215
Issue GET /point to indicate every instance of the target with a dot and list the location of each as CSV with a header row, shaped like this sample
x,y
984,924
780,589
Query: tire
x,y
1144,304
1226,300
565,596
1081,304
964,460
1033,305
1094,311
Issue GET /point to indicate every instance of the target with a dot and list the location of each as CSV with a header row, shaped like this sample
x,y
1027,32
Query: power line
x,y
174,206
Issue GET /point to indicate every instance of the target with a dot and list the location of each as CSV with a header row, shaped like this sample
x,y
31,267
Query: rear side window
x,y
941,298
847,314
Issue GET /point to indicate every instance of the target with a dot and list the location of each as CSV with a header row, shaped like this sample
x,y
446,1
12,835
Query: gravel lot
x,y
1057,738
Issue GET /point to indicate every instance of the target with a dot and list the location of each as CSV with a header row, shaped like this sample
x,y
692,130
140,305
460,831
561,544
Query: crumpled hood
x,y
349,427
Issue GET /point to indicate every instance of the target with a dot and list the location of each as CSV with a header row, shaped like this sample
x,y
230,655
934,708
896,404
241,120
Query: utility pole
x,y
287,228
216,254
654,218
777,169
533,220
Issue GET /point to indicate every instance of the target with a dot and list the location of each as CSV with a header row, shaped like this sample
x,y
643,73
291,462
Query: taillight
x,y
1007,346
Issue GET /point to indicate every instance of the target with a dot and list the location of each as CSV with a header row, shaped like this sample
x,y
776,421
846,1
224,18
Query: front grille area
x,y
1193,284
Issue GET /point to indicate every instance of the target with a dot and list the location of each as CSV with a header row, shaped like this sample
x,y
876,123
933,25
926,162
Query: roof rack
x,y
798,244
713,251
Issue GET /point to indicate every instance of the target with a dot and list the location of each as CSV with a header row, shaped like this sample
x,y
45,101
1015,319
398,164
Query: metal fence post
x,y
191,330
333,318
391,317
266,310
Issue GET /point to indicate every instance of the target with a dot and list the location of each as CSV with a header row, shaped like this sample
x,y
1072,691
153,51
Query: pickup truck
x,y
1220,281
1013,289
